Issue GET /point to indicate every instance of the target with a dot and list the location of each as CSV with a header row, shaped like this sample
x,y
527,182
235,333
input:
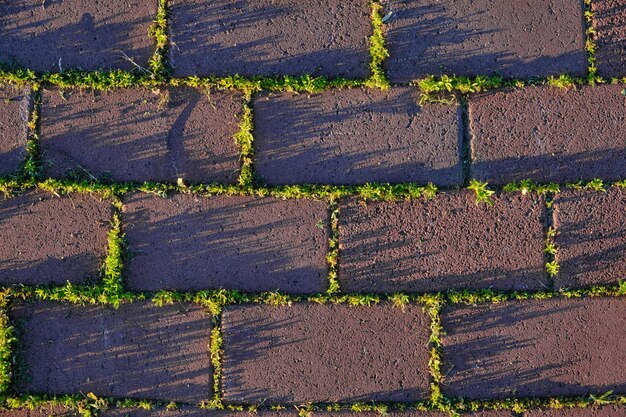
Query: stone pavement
x,y
411,208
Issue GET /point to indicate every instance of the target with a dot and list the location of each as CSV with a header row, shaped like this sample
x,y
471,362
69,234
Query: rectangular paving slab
x,y
45,411
309,352
187,242
535,348
267,37
15,109
137,351
45,239
443,243
355,136
593,411
191,411
549,134
591,237
609,22
89,35
139,135
484,37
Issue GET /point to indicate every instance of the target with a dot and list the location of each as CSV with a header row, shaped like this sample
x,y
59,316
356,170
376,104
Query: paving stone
x,y
49,240
443,243
535,348
193,411
309,352
405,413
90,35
15,108
46,411
354,136
605,411
268,37
609,22
591,237
137,135
137,351
484,37
549,134
189,243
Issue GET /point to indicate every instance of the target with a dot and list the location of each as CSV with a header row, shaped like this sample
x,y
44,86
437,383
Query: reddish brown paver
x,y
15,108
89,35
188,242
267,37
193,411
354,136
137,351
484,37
45,239
594,411
549,134
535,348
139,135
310,352
591,238
443,243
45,411
609,22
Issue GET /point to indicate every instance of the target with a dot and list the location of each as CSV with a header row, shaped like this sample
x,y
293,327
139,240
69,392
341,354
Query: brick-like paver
x,y
549,134
591,237
309,352
535,348
15,108
356,136
267,37
137,351
193,411
187,242
484,37
45,239
84,34
447,242
609,22
45,411
594,411
139,135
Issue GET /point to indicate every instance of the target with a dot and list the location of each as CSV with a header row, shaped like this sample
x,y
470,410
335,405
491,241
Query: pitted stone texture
x,y
535,348
190,411
609,22
484,37
85,34
549,134
269,37
309,352
136,351
591,237
593,411
45,239
44,411
443,243
139,135
15,109
356,136
187,243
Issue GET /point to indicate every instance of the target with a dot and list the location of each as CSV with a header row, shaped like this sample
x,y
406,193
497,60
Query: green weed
x,y
483,194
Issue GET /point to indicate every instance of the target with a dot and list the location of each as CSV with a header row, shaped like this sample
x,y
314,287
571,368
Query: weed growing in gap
x,y
483,194
378,50
528,186
590,44
439,89
7,340
215,349
332,257
551,250
158,30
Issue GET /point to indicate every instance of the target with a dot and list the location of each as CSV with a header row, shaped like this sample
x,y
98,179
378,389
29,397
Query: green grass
x,y
590,44
551,251
378,50
244,140
215,349
483,193
31,165
158,31
332,256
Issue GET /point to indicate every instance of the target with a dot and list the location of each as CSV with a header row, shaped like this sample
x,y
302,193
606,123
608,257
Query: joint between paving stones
x,y
332,256
378,49
159,62
245,141
466,142
551,248
31,165
590,42
216,351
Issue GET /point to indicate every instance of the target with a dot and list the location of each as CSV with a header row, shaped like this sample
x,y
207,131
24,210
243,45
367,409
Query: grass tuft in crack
x,y
483,194
158,30
433,307
31,166
114,264
332,257
244,140
215,349
440,89
7,339
551,251
378,50
590,44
